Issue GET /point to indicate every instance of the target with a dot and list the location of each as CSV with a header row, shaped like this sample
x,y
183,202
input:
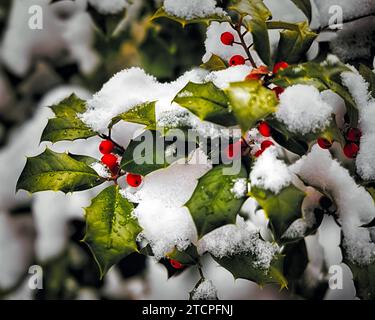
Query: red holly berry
x,y
353,134
257,73
237,60
234,149
175,264
258,153
227,38
110,160
351,150
264,129
266,144
106,146
133,180
324,143
280,66
278,91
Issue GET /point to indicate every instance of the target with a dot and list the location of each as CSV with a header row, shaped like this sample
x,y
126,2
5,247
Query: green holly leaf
x,y
242,266
213,204
188,257
214,64
256,25
85,159
66,125
207,102
304,6
282,209
161,13
111,229
57,172
294,44
250,102
147,153
141,114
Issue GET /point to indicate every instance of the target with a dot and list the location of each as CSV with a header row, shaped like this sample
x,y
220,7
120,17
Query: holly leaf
x,y
242,266
282,209
66,125
256,25
304,6
207,102
369,76
294,44
187,257
111,229
147,153
213,204
250,102
57,172
214,64
85,159
141,114
162,13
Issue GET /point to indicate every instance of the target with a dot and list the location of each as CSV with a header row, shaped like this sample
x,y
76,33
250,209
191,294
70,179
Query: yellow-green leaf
x,y
111,229
215,63
141,114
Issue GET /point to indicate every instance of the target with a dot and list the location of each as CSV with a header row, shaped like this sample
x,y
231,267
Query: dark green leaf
x,y
188,257
66,125
282,209
85,159
250,102
213,204
214,64
256,25
111,229
57,172
141,114
304,6
294,44
207,102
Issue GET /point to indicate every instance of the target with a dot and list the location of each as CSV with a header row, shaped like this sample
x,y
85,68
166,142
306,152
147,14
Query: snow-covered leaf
x,y
207,102
282,209
66,125
111,229
57,172
250,102
256,25
213,203
162,13
295,43
214,64
141,114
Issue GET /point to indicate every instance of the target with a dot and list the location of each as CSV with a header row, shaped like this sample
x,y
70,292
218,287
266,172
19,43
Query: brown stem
x,y
241,35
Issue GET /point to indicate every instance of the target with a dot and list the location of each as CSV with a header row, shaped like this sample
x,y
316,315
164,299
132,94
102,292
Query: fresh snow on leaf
x,y
270,173
223,78
237,239
205,291
303,109
192,9
101,170
239,189
109,6
355,205
359,89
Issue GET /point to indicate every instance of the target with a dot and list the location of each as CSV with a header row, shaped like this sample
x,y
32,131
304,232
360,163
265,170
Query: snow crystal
x,y
130,88
223,78
303,110
109,6
205,291
359,89
191,9
355,204
241,238
269,172
101,170
239,188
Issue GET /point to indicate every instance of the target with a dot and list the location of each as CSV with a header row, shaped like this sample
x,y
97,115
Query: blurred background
x,y
82,44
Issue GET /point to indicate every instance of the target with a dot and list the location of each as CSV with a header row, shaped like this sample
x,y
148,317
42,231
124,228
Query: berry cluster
x,y
110,159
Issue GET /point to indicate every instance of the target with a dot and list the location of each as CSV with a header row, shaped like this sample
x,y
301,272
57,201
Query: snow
x,y
109,6
303,109
359,89
160,212
223,78
191,9
101,170
205,291
239,189
130,88
237,239
269,172
355,205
